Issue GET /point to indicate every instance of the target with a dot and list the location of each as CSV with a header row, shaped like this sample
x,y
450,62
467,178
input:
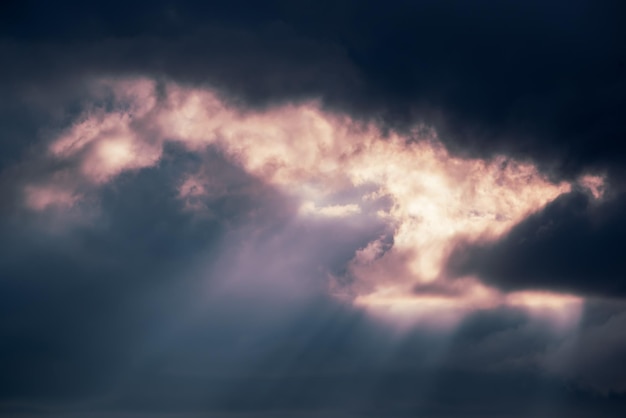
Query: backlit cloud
x,y
335,167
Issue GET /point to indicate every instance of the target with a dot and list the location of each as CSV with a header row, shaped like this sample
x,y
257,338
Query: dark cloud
x,y
585,359
573,245
331,359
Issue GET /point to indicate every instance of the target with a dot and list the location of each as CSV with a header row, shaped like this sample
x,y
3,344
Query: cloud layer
x,y
339,209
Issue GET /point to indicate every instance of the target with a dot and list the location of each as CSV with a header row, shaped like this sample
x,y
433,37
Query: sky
x,y
246,209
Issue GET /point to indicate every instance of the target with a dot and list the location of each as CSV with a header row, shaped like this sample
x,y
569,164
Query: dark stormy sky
x,y
313,208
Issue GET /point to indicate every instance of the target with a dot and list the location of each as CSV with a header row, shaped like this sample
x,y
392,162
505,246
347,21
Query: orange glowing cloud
x,y
436,199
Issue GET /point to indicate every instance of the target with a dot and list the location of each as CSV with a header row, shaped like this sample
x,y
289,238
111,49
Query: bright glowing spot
x,y
562,310
331,211
442,309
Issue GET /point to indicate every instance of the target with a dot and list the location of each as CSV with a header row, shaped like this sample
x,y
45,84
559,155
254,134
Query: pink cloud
x,y
311,155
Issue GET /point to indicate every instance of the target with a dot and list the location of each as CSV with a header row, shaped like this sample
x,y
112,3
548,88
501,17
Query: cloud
x,y
349,209
572,245
331,166
588,357
508,80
